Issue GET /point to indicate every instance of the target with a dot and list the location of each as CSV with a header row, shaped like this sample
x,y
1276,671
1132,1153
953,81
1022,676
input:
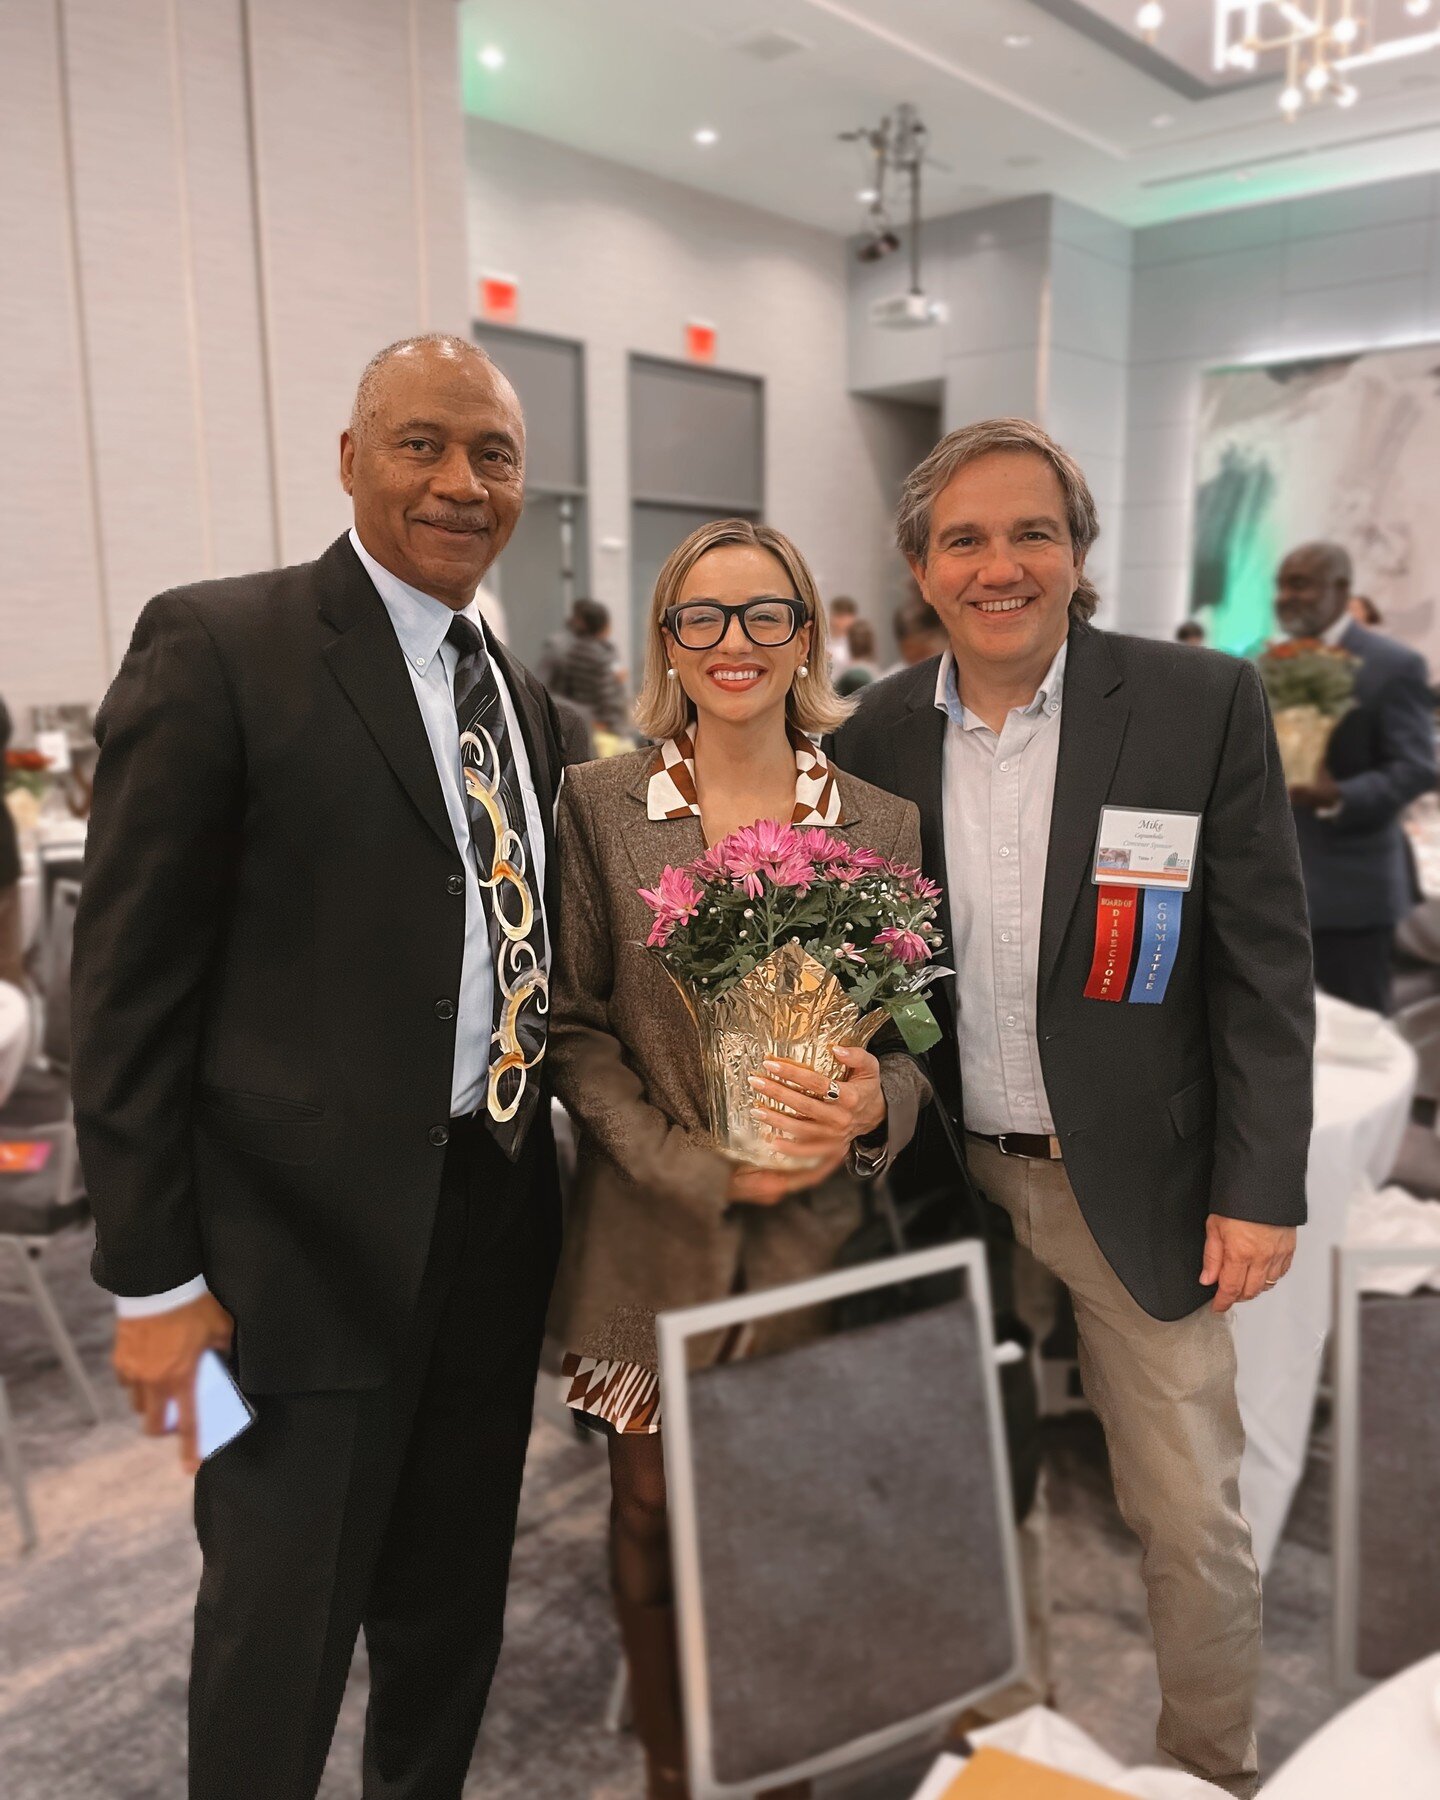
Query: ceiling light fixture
x,y
867,196
1322,42
1017,40
492,57
1161,120
707,135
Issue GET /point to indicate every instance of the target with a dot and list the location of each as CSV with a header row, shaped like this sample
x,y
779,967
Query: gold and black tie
x,y
500,835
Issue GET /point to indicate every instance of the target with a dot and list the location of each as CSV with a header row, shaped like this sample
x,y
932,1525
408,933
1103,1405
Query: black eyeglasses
x,y
701,624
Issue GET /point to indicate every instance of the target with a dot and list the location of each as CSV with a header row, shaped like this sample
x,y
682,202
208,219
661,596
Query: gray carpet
x,y
94,1627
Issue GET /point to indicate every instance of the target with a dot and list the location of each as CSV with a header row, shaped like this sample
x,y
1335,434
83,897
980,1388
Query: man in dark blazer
x,y
309,950
1359,877
1133,1075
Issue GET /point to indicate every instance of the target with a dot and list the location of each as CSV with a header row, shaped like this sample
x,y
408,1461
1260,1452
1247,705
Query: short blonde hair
x,y
663,708
924,485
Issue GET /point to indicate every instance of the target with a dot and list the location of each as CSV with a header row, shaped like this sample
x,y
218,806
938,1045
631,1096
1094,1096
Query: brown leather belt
x,y
1033,1144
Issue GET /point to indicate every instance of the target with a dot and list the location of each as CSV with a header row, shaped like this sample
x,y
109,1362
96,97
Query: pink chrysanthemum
x,y
766,851
906,947
674,901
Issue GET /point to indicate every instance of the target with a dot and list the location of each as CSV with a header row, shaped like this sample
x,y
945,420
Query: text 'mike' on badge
x,y
1146,849
1140,849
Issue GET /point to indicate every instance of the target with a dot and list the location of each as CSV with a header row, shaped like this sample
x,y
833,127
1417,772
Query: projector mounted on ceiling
x,y
898,146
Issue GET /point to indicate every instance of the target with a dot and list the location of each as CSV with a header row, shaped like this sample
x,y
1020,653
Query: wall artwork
x,y
1345,448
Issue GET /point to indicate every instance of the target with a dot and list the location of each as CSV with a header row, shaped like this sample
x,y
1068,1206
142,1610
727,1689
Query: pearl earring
x,y
804,669
669,674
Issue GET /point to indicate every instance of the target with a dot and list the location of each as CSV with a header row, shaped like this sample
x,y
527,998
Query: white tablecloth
x,y
1360,1118
1384,1747
14,1037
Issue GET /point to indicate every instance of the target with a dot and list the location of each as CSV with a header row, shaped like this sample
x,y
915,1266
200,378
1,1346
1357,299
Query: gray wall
x,y
212,212
620,260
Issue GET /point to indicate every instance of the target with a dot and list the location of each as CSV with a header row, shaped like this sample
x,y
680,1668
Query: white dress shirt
x,y
998,791
420,623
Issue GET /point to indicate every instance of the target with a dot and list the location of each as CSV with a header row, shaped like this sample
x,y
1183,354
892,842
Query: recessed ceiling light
x,y
707,135
491,57
1161,120
1017,40
867,196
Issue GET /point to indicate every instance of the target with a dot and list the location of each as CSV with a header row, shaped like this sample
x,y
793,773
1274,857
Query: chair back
x,y
59,948
1385,1470
841,1524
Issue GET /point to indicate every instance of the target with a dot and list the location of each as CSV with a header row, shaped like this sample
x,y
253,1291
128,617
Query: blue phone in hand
x,y
221,1411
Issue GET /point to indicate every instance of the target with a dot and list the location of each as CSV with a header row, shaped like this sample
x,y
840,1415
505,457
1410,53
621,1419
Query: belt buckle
x,y
1000,1145
1050,1138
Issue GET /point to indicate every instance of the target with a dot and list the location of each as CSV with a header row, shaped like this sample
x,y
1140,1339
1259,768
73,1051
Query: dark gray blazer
x,y
1201,1104
1357,872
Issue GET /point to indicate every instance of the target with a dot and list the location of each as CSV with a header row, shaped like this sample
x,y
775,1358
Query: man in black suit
x,y
1131,1064
310,973
1358,873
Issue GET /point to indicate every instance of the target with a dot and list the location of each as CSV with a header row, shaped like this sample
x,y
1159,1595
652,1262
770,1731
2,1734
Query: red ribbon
x,y
1114,943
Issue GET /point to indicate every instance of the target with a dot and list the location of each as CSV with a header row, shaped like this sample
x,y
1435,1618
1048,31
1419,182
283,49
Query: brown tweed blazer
x,y
649,1226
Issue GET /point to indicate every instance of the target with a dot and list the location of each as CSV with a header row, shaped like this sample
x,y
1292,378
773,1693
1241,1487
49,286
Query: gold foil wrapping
x,y
788,1006
1303,734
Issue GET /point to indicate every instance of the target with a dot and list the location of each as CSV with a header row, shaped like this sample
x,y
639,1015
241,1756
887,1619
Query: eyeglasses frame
x,y
799,612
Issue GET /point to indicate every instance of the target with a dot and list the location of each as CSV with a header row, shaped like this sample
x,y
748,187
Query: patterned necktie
x,y
512,909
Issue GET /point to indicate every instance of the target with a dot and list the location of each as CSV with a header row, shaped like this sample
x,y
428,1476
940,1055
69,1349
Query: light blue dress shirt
x,y
420,623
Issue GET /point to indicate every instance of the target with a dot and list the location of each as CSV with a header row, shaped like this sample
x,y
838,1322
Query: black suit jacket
x,y
1357,867
271,918
1201,1104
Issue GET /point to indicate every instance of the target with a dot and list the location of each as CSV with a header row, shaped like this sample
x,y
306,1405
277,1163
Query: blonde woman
x,y
736,691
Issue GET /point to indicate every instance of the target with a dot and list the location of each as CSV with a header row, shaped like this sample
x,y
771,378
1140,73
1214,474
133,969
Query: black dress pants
x,y
1356,965
390,1509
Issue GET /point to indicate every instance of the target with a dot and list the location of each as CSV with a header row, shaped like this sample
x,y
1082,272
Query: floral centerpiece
x,y
1310,686
788,941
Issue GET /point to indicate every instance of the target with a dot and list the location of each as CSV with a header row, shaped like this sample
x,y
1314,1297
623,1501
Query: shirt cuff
x,y
145,1306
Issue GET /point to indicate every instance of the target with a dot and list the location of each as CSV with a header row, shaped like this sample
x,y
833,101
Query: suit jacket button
x,y
444,1009
439,1136
454,884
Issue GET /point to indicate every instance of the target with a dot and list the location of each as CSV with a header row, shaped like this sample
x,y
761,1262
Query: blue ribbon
x,y
1159,940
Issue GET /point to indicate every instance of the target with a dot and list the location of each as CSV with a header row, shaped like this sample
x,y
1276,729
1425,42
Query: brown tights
x,y
639,1534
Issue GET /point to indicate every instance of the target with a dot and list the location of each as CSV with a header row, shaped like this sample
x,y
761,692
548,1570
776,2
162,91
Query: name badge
x,y
1146,849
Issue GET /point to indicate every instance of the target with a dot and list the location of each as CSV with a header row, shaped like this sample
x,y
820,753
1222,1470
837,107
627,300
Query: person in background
x,y
1146,1137
1191,632
919,635
1364,611
310,1092
736,688
1358,877
860,668
12,962
843,612
585,667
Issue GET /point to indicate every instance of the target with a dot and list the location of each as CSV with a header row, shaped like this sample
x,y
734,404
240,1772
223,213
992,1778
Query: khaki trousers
x,y
1164,1392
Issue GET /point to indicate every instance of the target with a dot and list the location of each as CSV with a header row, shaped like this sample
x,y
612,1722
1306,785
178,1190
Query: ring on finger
x,y
832,1093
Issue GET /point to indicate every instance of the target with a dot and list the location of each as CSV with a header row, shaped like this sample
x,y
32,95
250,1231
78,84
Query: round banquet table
x,y
14,1037
1386,1744
1360,1116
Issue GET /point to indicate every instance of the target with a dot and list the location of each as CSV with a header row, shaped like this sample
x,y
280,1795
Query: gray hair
x,y
969,444
367,391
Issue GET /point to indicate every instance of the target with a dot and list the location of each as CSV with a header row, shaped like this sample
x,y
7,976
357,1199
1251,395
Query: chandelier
x,y
1323,42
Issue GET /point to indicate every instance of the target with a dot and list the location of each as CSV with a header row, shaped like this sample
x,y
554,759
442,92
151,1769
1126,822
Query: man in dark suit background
x,y
309,989
1358,874
1147,1139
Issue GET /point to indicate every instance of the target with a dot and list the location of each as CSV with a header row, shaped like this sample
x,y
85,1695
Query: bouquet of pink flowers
x,y
787,941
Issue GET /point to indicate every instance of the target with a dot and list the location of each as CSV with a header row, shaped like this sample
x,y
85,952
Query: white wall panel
x,y
51,627
124,127
229,366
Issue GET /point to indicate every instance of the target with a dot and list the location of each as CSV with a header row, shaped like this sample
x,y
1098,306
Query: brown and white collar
x,y
671,792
